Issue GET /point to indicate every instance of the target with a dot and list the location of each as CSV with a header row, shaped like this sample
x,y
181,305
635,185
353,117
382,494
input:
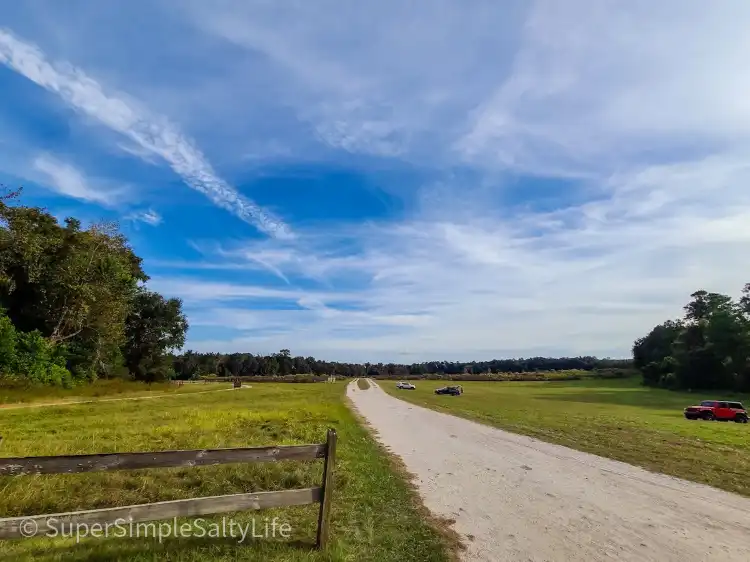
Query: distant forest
x,y
192,365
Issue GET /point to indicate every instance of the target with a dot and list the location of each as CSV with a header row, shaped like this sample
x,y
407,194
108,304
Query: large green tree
x,y
154,327
708,349
73,305
74,285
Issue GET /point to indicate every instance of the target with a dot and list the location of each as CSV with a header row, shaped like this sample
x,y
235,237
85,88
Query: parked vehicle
x,y
405,386
452,390
720,410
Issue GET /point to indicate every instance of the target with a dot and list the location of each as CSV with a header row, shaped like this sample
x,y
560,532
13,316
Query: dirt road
x,y
515,498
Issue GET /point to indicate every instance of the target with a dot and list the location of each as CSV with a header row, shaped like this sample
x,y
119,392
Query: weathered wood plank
x,y
17,527
157,459
325,502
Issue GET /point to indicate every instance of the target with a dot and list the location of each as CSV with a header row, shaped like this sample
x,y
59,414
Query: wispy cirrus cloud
x,y
597,86
226,291
151,133
577,169
452,290
584,278
381,82
69,181
148,216
610,99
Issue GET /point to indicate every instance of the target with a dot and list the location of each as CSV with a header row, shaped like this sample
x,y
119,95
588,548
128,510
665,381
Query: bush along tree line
x,y
194,365
74,305
709,348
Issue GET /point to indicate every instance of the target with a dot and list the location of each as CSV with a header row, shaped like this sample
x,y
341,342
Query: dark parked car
x,y
452,390
721,410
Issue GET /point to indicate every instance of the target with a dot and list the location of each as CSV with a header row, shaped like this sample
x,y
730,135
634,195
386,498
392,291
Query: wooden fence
x,y
11,527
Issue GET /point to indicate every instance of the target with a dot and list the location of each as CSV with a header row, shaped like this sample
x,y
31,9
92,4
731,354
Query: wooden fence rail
x,y
193,507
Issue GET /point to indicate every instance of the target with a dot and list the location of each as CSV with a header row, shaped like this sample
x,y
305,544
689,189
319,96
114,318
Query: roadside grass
x,y
619,419
116,388
363,384
375,514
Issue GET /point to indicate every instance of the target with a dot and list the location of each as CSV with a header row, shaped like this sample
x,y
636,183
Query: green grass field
x,y
616,418
363,384
18,395
375,513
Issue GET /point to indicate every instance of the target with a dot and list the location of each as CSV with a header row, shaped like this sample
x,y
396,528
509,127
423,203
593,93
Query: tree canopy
x,y
73,305
709,348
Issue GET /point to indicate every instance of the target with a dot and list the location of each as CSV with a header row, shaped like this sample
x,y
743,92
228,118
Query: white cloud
x,y
586,279
151,133
149,216
643,105
595,85
386,78
69,181
207,291
640,106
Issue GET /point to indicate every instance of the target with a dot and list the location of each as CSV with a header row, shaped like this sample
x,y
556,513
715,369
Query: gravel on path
x,y
515,498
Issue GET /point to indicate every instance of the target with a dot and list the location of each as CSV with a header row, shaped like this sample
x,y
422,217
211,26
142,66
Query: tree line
x,y
74,305
708,348
193,365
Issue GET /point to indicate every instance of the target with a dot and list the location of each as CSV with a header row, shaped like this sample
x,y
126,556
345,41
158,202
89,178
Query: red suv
x,y
717,410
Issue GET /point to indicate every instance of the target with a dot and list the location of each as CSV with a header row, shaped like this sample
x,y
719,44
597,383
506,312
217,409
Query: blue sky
x,y
396,181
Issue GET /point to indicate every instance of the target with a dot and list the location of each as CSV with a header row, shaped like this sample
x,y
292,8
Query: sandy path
x,y
515,498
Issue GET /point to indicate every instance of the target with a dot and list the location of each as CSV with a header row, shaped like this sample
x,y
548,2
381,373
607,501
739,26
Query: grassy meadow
x,y
375,513
11,396
615,418
363,384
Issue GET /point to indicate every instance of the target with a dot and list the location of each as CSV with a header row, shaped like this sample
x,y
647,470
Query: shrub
x,y
31,358
8,342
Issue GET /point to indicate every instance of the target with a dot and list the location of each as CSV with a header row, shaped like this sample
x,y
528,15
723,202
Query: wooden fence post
x,y
13,527
325,502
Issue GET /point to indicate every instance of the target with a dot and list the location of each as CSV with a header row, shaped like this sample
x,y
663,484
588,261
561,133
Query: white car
x,y
405,386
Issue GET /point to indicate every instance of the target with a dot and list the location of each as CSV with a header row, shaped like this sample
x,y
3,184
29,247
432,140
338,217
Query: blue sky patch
x,y
379,182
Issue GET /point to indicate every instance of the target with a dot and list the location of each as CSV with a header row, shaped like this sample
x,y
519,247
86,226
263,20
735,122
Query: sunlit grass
x,y
15,395
363,384
374,513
